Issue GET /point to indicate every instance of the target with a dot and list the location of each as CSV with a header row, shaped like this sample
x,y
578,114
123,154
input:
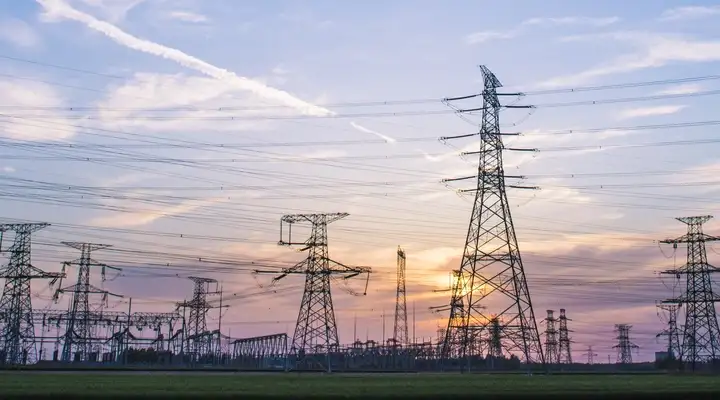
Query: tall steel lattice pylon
x,y
491,268
17,337
701,335
401,326
590,355
564,353
671,332
79,333
316,329
624,346
196,324
551,339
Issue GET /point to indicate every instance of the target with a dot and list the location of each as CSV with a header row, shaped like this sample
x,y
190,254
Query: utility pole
x,y
383,327
220,315
701,334
413,317
400,328
316,329
491,268
17,334
624,346
551,343
78,336
564,355
591,355
671,332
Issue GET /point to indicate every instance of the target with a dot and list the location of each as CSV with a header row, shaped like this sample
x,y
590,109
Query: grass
x,y
346,385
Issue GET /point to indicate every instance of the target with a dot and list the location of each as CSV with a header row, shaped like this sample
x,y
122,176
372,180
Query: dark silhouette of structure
x,y
79,335
564,354
316,329
624,346
590,355
671,332
551,339
197,341
491,270
701,335
400,328
17,337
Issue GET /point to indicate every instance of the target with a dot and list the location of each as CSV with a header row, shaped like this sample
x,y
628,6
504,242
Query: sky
x,y
180,132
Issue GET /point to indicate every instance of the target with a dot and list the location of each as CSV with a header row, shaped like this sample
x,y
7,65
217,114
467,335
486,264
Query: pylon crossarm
x,y
345,269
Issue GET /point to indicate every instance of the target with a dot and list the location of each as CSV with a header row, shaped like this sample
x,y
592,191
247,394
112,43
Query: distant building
x,y
661,355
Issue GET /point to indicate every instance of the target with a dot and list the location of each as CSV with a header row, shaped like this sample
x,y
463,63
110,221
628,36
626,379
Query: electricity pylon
x,y
17,337
196,326
78,336
590,355
701,334
491,268
564,354
400,328
551,341
316,329
624,346
671,332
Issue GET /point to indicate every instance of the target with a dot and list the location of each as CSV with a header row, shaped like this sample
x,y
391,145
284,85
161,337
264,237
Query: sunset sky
x,y
181,132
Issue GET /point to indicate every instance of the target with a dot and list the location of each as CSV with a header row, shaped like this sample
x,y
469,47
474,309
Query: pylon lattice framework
x,y
672,332
17,337
701,335
199,306
624,346
590,355
400,329
316,328
564,353
491,269
78,336
551,341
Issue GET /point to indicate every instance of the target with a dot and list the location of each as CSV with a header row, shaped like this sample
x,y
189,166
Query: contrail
x,y
366,130
60,9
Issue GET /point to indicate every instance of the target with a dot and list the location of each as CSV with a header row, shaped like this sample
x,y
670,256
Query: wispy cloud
x,y
19,125
484,36
650,111
361,128
188,16
18,33
57,9
688,88
8,169
481,37
114,10
689,12
652,51
587,21
141,218
199,99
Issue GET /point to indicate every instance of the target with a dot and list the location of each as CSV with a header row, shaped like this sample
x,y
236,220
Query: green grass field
x,y
420,385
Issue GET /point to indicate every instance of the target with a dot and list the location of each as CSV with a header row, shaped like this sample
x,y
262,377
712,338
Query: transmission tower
x,y
701,335
401,327
590,355
491,268
564,355
551,341
624,346
17,336
316,329
671,332
196,325
78,336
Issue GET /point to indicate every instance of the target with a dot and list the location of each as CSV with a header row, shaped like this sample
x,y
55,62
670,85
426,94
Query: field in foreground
x,y
347,385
